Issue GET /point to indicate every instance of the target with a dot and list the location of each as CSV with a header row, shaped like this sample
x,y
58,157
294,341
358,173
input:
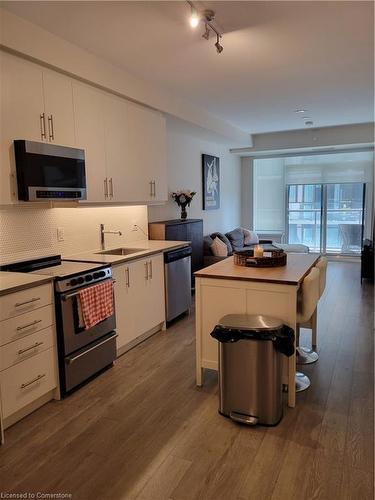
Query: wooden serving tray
x,y
246,258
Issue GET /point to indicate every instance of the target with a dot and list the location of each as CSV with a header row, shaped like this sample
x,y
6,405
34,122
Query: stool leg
x,y
314,327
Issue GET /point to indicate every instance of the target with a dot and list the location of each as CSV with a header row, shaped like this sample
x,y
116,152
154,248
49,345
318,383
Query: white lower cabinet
x,y
139,299
28,357
25,382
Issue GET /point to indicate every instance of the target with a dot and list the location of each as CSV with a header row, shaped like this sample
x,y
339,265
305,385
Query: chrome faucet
x,y
102,233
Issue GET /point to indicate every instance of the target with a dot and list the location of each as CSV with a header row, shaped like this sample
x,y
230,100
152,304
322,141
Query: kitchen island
x,y
226,288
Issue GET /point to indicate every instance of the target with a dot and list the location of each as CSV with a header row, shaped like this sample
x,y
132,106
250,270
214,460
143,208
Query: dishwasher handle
x,y
178,254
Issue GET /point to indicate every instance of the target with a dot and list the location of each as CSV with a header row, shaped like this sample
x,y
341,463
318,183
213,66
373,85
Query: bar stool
x,y
322,266
307,355
308,300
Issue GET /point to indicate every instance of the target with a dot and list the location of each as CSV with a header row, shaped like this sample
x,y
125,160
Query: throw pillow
x,y
219,248
251,238
224,239
236,238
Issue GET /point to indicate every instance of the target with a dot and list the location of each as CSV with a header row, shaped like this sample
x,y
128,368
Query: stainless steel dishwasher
x,y
177,269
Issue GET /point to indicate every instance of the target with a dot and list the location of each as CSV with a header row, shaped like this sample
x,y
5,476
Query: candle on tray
x,y
258,251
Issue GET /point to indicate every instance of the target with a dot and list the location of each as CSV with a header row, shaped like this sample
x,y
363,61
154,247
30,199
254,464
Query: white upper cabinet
x,y
116,132
136,157
124,143
146,154
36,105
22,109
89,127
58,103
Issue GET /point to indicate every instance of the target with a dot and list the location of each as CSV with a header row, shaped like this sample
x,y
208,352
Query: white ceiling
x,y
278,56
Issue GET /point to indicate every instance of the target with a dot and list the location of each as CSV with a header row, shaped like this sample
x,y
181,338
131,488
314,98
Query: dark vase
x,y
183,213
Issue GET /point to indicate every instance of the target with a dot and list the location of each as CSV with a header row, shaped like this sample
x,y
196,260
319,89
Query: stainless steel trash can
x,y
250,364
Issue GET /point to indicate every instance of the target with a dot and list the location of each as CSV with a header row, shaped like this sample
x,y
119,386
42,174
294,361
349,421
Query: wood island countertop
x,y
297,267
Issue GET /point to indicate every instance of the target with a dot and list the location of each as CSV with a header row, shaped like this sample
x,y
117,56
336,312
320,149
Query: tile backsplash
x,y
28,232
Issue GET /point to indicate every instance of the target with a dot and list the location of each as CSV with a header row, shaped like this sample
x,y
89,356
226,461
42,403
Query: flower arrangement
x,y
183,200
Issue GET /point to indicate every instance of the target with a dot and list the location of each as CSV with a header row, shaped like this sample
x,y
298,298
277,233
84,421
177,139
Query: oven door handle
x,y
69,361
70,295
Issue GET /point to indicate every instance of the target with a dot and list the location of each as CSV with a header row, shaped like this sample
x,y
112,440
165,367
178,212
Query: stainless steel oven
x,y
83,352
76,337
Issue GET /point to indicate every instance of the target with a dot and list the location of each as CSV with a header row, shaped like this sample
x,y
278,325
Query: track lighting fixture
x,y
219,47
207,16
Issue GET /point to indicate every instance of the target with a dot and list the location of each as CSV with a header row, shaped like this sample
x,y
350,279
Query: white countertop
x,y
13,282
146,247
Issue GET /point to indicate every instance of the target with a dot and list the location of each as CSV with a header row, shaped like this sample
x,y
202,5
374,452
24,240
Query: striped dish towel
x,y
95,304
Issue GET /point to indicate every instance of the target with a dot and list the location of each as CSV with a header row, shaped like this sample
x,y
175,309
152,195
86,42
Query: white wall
x,y
185,145
30,231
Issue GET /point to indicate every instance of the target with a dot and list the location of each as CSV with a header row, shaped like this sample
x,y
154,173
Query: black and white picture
x,y
211,182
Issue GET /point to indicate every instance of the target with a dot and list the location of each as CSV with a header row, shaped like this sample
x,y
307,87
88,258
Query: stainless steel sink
x,y
121,251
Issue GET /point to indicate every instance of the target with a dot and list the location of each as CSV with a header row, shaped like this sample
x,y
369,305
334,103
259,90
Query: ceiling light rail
x,y
207,17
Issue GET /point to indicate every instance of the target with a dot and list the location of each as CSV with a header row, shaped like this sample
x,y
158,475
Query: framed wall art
x,y
211,182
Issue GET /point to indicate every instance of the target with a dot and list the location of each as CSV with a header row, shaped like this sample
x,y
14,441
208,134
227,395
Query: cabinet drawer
x,y
27,347
27,300
26,324
25,382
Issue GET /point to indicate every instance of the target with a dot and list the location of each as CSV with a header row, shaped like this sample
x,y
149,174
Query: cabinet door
x,y
154,296
89,127
121,181
21,109
58,103
146,154
124,298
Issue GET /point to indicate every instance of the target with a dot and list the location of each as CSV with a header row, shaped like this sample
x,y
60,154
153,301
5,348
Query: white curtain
x,y
272,175
331,168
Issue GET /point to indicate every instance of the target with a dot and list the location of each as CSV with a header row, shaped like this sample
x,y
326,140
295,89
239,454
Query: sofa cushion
x,y
224,239
236,237
219,248
250,237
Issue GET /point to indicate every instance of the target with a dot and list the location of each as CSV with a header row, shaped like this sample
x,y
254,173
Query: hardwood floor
x,y
142,430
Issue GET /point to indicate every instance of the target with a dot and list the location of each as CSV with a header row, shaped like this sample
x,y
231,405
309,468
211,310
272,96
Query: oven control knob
x,y
88,278
80,281
73,282
101,274
96,275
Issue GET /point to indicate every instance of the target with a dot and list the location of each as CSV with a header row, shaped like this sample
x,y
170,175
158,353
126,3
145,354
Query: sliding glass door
x,y
328,218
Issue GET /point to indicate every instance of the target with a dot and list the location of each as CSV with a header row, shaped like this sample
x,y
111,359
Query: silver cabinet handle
x,y
19,328
106,188
127,278
146,270
111,187
37,344
51,130
154,191
42,118
36,379
150,273
69,361
151,189
19,304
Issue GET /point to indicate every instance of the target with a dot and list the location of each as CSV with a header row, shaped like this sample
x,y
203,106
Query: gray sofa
x,y
234,241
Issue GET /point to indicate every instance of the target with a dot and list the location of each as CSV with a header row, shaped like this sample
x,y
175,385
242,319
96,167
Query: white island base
x,y
225,288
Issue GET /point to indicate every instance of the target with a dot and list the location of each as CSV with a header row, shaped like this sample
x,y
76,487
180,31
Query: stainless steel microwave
x,y
49,172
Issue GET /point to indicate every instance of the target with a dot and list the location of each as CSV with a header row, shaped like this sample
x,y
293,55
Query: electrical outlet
x,y
135,227
60,234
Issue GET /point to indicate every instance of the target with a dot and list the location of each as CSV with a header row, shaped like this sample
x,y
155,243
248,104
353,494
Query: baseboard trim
x,y
23,412
122,350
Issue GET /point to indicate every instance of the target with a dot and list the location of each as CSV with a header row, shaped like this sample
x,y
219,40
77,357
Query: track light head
x,y
219,47
194,18
206,33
